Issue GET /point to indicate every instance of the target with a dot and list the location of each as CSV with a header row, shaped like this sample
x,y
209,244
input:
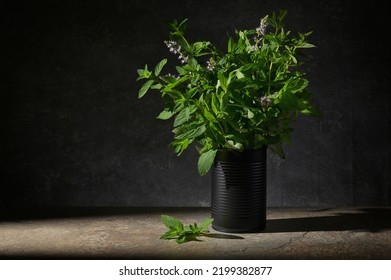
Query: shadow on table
x,y
365,219
222,236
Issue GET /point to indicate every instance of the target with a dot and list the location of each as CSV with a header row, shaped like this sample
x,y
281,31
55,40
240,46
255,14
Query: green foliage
x,y
205,161
182,234
244,98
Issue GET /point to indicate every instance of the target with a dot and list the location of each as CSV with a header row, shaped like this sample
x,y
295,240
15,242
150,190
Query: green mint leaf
x,y
224,82
180,70
239,75
143,73
184,115
165,115
181,239
194,229
250,114
172,223
156,86
209,116
312,111
169,234
277,149
145,88
306,46
192,133
203,227
205,161
159,67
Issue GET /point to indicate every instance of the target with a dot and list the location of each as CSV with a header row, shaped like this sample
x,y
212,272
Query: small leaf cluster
x,y
183,233
246,97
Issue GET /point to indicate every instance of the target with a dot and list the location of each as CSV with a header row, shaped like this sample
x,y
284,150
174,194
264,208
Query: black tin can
x,y
239,191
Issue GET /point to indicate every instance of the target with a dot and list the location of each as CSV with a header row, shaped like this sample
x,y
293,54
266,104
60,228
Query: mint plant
x,y
246,97
183,233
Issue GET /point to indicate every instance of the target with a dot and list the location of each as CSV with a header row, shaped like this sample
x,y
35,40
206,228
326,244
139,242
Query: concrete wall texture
x,y
73,132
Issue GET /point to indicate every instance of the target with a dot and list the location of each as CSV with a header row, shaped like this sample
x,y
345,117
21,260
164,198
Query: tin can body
x,y
239,191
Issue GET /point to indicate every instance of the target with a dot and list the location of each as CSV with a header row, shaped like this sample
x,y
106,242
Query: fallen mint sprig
x,y
184,233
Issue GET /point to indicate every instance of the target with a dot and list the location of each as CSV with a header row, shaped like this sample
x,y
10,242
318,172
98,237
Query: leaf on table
x,y
172,223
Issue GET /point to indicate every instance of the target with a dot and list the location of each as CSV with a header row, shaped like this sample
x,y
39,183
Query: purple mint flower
x,y
261,29
174,48
211,64
265,102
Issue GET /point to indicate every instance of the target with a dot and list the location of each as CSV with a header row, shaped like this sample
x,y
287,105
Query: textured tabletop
x,y
133,233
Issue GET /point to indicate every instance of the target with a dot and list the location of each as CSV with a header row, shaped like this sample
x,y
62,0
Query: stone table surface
x,y
133,233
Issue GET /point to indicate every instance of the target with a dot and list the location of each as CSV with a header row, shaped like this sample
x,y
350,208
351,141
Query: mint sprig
x,y
183,233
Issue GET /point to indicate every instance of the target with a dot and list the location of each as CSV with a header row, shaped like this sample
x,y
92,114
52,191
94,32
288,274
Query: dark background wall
x,y
74,134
